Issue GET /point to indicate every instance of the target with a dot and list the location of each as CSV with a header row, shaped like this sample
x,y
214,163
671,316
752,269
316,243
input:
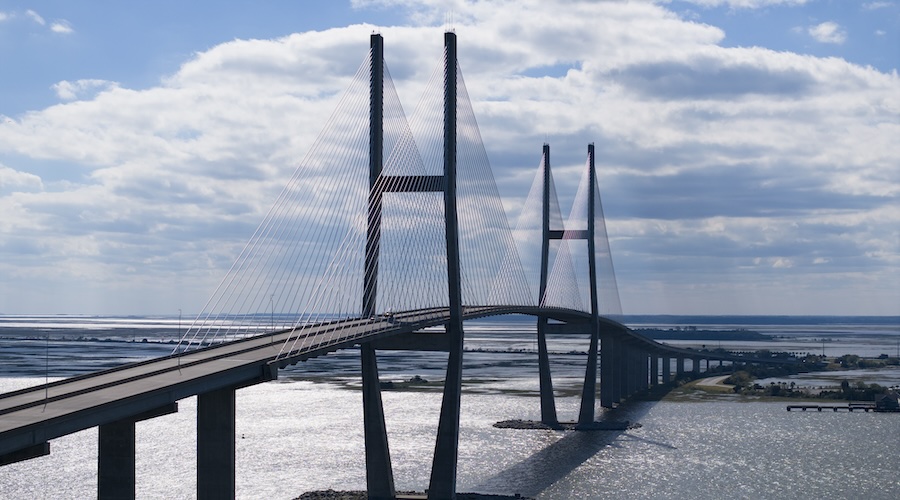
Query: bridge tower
x,y
548,403
612,365
379,475
589,389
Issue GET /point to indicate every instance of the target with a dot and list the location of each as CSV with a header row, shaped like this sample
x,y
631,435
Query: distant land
x,y
672,319
692,333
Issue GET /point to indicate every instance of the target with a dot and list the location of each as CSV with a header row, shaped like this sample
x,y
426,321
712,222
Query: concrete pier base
x,y
115,462
548,402
215,444
607,372
115,454
442,485
589,390
379,473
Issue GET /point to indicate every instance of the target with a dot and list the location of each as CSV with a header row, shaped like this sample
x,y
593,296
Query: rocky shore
x,y
567,426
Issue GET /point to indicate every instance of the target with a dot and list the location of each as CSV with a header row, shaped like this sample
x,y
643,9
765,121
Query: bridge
x,y
403,273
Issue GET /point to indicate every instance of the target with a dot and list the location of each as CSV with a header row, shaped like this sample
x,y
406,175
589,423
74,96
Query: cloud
x,y
747,4
63,27
34,16
713,78
828,32
79,89
11,179
877,5
4,16
709,156
60,26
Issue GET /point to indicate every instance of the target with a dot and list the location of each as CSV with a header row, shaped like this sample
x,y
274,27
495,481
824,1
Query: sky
x,y
748,151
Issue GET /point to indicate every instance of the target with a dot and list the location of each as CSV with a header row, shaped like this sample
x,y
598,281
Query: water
x,y
304,432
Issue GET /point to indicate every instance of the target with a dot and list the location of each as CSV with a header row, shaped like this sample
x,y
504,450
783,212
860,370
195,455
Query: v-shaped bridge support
x,y
379,475
589,389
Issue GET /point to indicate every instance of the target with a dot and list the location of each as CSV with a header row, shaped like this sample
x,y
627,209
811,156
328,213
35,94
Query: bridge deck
x,y
35,415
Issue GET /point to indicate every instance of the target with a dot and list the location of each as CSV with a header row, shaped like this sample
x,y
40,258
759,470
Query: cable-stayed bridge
x,y
389,235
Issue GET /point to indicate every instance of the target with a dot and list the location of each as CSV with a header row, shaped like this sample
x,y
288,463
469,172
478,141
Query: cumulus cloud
x,y
11,179
79,89
828,32
710,157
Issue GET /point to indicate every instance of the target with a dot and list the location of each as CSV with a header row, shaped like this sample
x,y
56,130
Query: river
x,y
304,432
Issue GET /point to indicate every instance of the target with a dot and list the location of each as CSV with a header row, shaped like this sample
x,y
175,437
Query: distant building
x,y
887,402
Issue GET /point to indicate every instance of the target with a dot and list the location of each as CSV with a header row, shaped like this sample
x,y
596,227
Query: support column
x,y
379,473
695,366
115,453
215,444
589,390
654,369
616,382
637,370
548,403
607,371
443,469
115,462
667,370
679,367
625,371
645,371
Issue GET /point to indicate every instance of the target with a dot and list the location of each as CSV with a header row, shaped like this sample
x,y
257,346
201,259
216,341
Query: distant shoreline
x,y
692,333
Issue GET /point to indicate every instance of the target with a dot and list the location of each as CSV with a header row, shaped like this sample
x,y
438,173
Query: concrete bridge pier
x,y
616,369
607,371
115,461
379,473
634,381
654,369
548,402
115,457
215,444
624,371
644,359
679,366
695,366
666,370
589,390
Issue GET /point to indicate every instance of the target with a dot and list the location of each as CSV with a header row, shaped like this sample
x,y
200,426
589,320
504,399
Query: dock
x,y
866,407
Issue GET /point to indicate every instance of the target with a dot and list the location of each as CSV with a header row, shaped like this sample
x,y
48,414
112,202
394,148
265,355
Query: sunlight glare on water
x,y
296,436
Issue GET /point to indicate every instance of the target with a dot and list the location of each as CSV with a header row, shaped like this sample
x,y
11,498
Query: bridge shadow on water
x,y
541,470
